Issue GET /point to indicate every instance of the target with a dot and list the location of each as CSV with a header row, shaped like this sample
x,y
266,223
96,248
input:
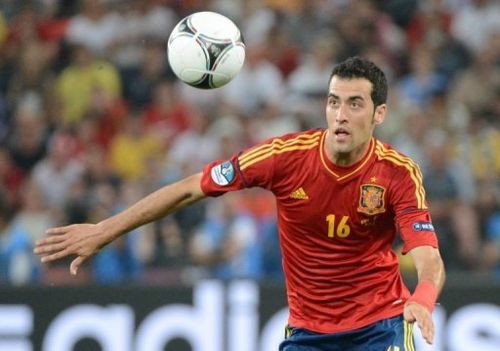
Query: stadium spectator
x,y
119,262
476,87
27,140
284,53
271,255
76,83
56,174
31,73
3,29
308,79
95,27
193,147
483,16
170,255
304,22
18,239
477,146
108,111
167,115
409,140
139,81
227,242
259,83
430,26
257,20
368,26
11,179
306,84
139,22
489,211
96,170
270,120
423,82
131,148
449,192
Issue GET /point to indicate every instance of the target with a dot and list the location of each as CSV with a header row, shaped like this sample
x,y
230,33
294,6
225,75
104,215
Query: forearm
x,y
156,205
432,270
431,276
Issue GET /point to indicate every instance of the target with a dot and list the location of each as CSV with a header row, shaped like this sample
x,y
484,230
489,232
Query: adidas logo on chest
x,y
299,194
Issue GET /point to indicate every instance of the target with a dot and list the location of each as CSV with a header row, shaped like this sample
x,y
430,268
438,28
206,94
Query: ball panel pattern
x,y
206,50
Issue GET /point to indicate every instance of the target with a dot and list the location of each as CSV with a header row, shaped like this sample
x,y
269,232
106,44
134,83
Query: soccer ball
x,y
206,50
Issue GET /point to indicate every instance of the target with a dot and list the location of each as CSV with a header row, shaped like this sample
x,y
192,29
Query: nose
x,y
340,114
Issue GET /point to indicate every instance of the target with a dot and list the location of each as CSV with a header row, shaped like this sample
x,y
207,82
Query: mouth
x,y
341,132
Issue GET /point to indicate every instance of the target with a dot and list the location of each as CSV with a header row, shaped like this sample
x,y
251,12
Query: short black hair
x,y
358,67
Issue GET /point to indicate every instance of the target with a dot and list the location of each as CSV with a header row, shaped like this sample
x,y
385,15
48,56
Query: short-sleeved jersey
x,y
336,225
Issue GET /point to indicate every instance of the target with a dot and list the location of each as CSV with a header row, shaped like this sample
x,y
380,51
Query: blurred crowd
x,y
92,119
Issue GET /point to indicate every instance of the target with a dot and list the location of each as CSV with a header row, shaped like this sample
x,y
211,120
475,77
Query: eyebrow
x,y
351,98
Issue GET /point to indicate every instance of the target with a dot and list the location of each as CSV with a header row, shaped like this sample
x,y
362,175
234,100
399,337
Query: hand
x,y
82,240
415,312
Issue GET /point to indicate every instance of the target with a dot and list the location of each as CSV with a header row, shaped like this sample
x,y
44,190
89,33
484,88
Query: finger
x,y
55,256
427,337
430,333
50,240
57,230
409,316
49,248
427,329
75,264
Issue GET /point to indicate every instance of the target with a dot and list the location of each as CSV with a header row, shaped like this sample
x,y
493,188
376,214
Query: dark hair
x,y
358,67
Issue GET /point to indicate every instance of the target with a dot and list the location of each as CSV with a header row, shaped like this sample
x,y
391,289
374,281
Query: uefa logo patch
x,y
223,174
423,227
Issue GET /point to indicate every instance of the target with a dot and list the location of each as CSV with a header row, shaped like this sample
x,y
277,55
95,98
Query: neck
x,y
346,159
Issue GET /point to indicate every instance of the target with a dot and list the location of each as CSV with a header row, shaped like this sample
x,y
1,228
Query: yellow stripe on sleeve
x,y
412,168
263,148
278,146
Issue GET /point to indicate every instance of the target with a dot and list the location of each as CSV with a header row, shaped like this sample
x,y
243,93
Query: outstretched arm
x,y
85,240
431,277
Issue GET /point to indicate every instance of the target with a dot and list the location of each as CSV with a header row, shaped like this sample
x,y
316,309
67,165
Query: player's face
x,y
351,117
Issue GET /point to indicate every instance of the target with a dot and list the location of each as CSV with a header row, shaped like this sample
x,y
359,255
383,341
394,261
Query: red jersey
x,y
336,225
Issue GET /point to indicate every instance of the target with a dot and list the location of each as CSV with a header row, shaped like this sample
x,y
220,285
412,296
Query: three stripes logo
x,y
299,194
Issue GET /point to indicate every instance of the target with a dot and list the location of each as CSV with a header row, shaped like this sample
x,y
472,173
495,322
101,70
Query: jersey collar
x,y
338,172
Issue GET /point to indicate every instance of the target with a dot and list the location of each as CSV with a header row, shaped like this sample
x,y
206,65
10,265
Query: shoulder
x,y
311,134
281,146
104,67
405,175
393,158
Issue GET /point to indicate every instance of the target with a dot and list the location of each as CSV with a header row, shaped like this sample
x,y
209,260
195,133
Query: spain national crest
x,y
371,200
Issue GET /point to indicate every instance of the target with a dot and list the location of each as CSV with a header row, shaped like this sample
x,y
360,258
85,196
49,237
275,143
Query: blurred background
x,y
92,119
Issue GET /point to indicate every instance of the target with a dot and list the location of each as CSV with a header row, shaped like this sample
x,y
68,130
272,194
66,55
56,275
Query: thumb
x,y
75,264
409,316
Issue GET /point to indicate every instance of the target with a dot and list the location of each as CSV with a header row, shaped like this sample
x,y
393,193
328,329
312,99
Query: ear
x,y
379,115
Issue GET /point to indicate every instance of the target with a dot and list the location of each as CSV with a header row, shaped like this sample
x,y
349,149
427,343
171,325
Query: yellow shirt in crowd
x,y
75,87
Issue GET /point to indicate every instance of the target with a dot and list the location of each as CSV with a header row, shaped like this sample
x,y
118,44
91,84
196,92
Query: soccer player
x,y
341,196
